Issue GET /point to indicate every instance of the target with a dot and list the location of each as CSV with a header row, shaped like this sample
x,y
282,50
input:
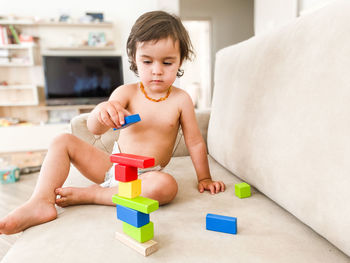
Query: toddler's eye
x,y
167,63
147,62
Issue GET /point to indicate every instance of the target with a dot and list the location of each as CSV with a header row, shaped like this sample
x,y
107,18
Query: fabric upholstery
x,y
266,232
287,97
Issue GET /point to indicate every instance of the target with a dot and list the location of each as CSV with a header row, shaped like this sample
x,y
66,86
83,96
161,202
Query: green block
x,y
140,234
242,190
140,203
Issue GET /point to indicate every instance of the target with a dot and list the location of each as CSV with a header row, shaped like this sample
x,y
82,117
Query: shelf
x,y
67,107
17,22
19,95
16,64
29,138
18,46
82,48
77,24
9,87
53,24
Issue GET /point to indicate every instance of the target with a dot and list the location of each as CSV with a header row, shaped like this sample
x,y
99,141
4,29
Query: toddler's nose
x,y
157,69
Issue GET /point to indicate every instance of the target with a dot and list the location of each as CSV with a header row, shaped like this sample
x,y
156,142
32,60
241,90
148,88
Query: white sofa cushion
x,y
266,232
281,118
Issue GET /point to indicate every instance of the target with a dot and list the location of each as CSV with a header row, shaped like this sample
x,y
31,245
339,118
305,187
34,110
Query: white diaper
x,y
110,174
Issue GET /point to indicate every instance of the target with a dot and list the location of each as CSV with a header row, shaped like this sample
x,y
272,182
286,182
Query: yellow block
x,y
130,189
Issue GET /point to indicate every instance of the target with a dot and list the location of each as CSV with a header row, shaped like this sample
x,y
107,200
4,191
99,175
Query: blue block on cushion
x,y
219,223
131,216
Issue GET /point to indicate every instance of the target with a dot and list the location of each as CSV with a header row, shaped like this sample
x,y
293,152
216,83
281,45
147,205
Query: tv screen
x,y
81,79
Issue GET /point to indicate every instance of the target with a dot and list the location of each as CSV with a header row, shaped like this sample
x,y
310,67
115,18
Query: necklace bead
x,y
155,100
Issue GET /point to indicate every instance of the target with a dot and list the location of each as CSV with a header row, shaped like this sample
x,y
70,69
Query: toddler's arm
x,y
197,148
109,114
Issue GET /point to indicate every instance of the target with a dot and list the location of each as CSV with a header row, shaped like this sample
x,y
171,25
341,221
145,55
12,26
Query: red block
x,y
132,160
125,173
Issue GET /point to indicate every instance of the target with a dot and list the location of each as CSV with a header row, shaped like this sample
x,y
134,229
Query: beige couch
x,y
279,121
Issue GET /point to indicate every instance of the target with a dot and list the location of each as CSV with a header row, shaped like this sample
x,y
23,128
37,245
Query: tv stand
x,y
75,102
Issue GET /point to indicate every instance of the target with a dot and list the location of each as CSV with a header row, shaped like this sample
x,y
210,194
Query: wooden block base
x,y
146,248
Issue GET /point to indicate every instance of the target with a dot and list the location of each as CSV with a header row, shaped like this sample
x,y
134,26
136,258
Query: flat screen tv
x,y
81,79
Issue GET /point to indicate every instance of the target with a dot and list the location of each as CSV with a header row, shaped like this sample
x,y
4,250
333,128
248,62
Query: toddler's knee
x,y
62,140
167,188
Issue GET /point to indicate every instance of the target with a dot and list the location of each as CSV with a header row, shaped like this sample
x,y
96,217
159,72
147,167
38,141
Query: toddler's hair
x,y
157,25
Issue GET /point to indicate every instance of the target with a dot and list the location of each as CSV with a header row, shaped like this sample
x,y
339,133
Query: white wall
x,y
269,14
121,12
307,6
231,21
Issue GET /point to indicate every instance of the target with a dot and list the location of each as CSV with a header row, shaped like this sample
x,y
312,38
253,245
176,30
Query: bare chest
x,y
163,117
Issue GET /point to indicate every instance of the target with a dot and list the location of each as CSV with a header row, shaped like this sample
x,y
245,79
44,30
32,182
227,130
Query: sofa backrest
x,y
280,118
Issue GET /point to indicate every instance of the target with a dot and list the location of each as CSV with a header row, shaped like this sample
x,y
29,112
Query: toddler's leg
x,y
159,186
40,208
156,185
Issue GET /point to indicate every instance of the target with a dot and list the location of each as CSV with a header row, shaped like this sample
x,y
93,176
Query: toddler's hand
x,y
111,114
212,186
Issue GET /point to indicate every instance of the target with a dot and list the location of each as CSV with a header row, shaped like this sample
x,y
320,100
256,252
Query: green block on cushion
x,y
242,190
140,203
140,234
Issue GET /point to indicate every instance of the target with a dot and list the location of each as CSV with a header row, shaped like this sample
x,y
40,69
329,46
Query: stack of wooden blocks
x,y
132,208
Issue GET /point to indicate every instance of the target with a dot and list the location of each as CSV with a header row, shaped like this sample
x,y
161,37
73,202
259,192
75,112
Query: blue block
x,y
132,217
225,224
131,119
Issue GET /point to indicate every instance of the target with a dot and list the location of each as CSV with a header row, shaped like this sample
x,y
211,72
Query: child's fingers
x,y
126,112
200,188
113,116
222,186
121,118
212,189
217,187
104,118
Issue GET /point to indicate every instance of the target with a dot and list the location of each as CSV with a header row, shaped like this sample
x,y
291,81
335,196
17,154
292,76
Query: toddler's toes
x,y
58,191
62,202
67,191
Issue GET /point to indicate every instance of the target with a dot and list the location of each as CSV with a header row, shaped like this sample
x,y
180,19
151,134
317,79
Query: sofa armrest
x,y
105,141
202,117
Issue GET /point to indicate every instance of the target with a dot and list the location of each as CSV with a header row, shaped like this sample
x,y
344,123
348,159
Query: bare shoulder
x,y
182,96
124,92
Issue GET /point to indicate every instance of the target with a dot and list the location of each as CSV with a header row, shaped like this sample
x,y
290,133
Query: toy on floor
x,y
9,174
219,223
132,209
131,119
242,190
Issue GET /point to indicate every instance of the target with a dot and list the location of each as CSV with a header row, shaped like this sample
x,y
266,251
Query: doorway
x,y
197,78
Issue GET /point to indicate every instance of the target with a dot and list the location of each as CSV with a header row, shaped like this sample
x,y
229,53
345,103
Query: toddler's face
x,y
157,63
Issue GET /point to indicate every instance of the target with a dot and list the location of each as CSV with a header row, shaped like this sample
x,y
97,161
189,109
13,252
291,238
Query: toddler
x,y
157,46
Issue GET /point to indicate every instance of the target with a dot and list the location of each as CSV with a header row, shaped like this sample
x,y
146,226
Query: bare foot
x,y
76,195
31,213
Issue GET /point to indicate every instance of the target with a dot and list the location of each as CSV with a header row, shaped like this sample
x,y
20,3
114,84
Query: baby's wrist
x,y
203,179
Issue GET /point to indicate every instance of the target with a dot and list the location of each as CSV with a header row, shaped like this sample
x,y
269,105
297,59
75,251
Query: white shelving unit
x,y
19,95
22,76
19,55
16,66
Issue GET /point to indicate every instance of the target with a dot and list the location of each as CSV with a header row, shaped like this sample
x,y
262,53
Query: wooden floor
x,y
12,196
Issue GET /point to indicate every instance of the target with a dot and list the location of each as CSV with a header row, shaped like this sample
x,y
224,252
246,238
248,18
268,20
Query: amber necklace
x,y
155,100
